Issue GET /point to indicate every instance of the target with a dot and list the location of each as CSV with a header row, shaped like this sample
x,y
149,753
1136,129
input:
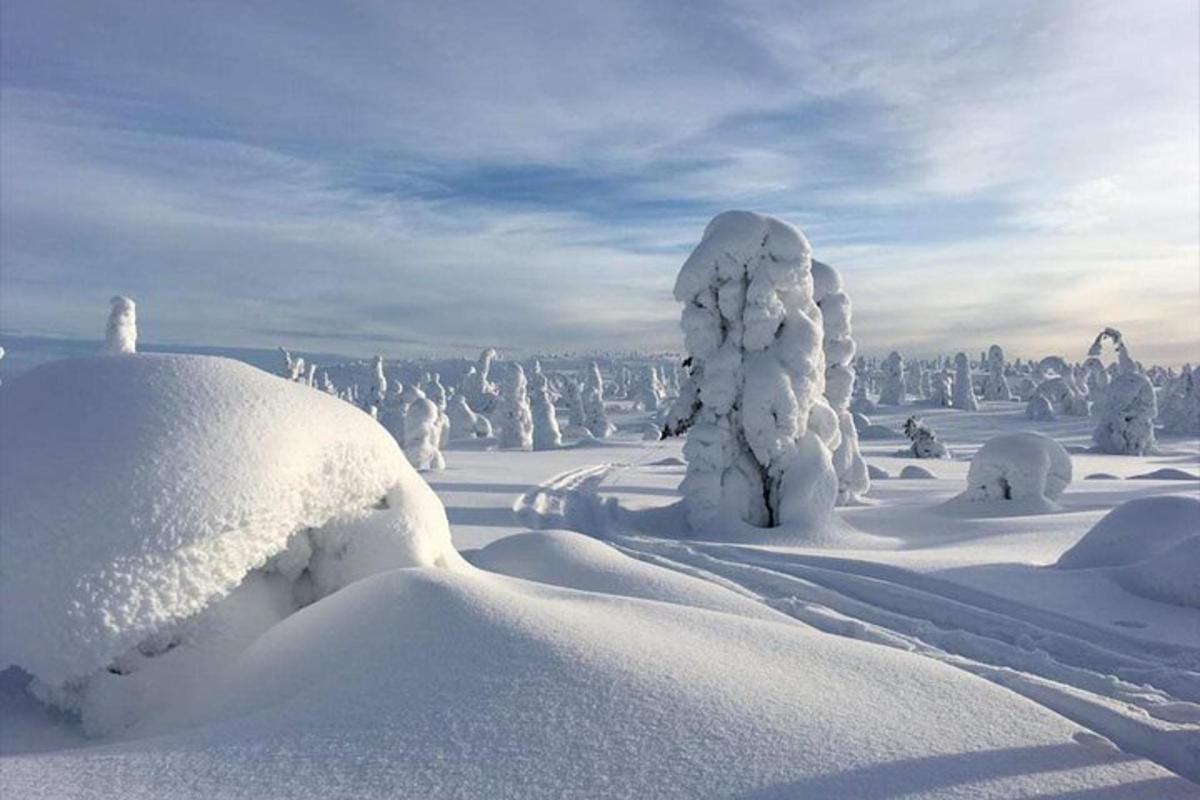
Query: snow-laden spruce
x,y
648,391
422,431
1179,410
964,392
839,347
595,416
1026,467
1126,425
995,383
476,385
137,490
120,335
514,419
760,432
465,423
379,386
891,392
546,435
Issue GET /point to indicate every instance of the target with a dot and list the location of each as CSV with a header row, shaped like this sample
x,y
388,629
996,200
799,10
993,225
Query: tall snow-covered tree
x,y
546,435
760,432
422,432
120,335
595,416
964,391
830,296
1179,411
477,386
891,392
995,383
379,384
513,418
1126,424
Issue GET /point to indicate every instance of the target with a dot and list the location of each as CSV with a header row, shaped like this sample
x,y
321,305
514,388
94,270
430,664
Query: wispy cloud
x,y
436,176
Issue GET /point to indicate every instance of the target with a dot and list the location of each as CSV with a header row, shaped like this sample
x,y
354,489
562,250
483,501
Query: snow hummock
x,y
136,490
1024,467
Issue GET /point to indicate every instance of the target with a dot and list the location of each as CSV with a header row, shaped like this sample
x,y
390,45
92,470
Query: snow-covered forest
x,y
599,400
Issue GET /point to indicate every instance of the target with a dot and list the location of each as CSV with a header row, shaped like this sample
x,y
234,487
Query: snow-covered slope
x,y
431,683
136,489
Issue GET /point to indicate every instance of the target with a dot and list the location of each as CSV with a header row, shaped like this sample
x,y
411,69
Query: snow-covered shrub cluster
x,y
925,443
1019,466
760,432
136,493
853,481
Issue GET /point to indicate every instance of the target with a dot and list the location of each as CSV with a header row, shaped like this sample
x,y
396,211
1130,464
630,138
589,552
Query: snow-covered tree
x,y
925,443
595,416
964,392
1179,411
912,377
379,383
891,392
546,435
1126,425
647,390
120,335
465,423
941,393
760,432
830,296
422,432
513,418
476,385
995,384
573,396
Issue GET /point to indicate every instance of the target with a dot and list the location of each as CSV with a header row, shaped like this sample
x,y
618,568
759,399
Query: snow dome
x,y
136,490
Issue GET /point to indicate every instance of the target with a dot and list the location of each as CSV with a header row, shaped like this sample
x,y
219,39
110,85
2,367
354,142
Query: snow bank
x,y
137,489
437,684
1172,576
1026,467
1134,531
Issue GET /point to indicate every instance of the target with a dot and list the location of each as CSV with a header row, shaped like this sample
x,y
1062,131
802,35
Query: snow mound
x,y
1135,531
877,473
436,684
1025,467
1172,576
1165,474
577,561
1102,476
137,489
873,432
913,472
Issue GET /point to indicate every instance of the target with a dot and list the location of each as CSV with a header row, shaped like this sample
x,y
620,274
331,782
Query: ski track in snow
x,y
1142,696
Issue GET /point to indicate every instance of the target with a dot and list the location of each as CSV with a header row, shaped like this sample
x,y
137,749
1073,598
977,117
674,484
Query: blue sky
x,y
411,177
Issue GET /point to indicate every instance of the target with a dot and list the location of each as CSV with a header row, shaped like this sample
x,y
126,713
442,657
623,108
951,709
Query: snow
x,y
1023,467
964,393
613,651
1126,425
422,431
513,418
120,335
136,489
1134,531
546,434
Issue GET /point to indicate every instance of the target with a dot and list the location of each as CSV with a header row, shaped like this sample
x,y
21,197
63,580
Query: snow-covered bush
x,y
465,423
136,492
925,443
514,420
120,335
964,392
995,383
1126,425
1179,411
891,392
839,347
422,431
546,435
595,416
1019,466
760,433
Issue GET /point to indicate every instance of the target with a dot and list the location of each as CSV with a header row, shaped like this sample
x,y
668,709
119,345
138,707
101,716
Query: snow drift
x,y
1029,468
135,490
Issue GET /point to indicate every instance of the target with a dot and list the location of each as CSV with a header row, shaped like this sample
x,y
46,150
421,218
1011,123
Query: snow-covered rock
x,y
137,490
760,432
1023,467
